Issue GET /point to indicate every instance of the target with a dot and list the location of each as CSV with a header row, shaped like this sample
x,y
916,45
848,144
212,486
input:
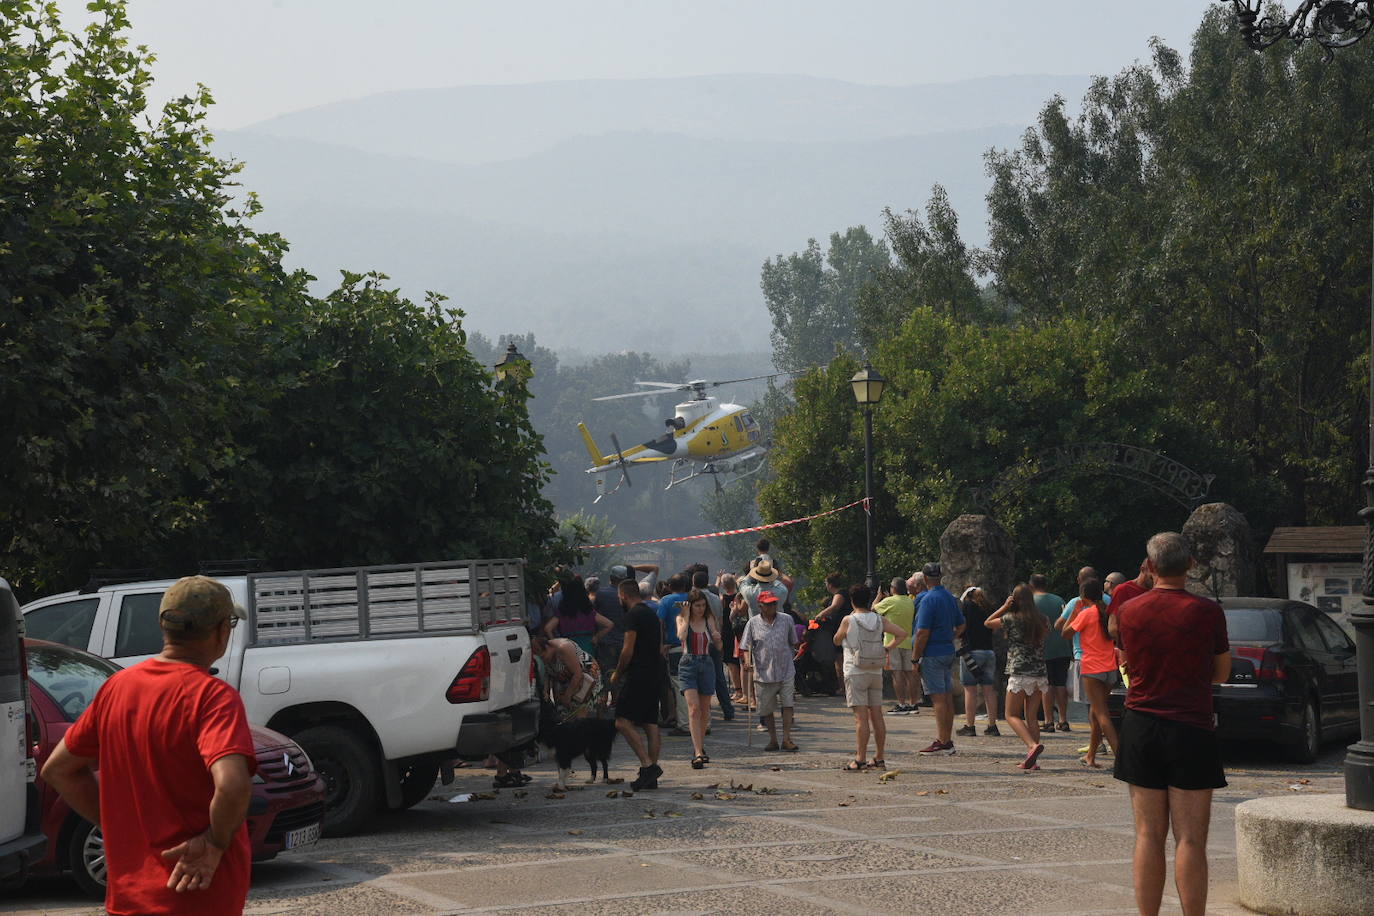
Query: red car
x,y
285,812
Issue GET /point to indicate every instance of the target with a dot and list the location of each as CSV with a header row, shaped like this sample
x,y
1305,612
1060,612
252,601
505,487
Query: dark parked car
x,y
1292,681
285,812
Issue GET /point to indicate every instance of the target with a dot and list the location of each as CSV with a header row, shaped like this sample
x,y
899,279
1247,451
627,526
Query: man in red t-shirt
x,y
176,763
1176,648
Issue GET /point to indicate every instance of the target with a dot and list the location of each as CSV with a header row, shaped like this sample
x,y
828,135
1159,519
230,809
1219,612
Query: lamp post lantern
x,y
868,386
1330,23
513,365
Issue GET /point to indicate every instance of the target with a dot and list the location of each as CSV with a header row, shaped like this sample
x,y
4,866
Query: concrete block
x,y
1305,854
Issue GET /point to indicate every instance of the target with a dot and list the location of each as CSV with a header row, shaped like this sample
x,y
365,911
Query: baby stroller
x,y
815,663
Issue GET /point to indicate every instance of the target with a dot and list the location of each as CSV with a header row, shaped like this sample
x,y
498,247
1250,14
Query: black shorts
x,y
1057,670
1156,753
638,701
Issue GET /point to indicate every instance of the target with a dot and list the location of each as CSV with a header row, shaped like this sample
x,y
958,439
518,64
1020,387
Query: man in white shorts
x,y
770,642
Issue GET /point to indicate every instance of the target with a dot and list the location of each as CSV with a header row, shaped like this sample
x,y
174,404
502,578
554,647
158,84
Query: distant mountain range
x,y
608,215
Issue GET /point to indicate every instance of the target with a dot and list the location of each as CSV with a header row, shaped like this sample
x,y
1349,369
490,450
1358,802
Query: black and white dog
x,y
589,738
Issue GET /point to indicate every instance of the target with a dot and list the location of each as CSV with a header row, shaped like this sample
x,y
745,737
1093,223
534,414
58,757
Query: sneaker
x,y
898,710
992,730
1063,727
761,727
937,747
968,731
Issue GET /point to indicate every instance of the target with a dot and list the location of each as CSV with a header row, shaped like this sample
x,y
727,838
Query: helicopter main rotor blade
x,y
633,394
670,385
751,378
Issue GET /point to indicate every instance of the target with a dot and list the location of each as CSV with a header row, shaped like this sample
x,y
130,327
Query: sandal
x,y
789,745
877,763
1083,761
855,766
507,781
698,761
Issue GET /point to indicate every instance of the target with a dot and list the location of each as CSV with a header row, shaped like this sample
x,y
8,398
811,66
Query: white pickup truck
x,y
380,673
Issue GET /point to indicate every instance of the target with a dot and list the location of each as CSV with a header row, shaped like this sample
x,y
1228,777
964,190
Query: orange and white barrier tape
x,y
719,534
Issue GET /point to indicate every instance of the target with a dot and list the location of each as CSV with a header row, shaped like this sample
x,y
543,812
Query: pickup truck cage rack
x,y
384,602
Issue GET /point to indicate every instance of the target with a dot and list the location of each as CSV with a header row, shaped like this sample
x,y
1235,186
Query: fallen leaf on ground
x,y
764,790
486,796
575,832
724,796
520,793
1306,782
696,796
672,814
555,795
923,792
941,791
617,781
889,775
613,794
775,769
844,804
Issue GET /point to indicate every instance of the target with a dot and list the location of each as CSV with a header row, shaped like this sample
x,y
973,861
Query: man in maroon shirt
x,y
1176,648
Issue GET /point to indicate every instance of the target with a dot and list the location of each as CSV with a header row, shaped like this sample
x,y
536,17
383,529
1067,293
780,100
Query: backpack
x,y
866,643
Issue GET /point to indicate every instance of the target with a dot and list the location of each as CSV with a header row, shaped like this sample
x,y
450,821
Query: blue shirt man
x,y
938,611
938,621
668,607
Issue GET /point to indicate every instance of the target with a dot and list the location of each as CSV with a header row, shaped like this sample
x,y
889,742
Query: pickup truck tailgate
x,y
510,665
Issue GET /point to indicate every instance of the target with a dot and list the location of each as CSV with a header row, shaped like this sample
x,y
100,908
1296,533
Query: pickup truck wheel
x,y
351,774
416,782
86,858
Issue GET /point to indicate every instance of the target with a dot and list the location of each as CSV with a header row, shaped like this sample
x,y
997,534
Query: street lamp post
x,y
868,386
1359,758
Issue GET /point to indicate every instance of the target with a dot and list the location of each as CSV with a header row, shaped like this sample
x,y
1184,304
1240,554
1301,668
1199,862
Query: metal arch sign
x,y
1173,479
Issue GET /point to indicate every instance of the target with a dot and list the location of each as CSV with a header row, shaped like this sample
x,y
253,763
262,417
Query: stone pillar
x,y
975,550
1225,552
1305,853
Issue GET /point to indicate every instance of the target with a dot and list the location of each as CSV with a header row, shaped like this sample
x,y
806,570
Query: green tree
x,y
1207,208
171,393
125,278
965,402
931,267
811,296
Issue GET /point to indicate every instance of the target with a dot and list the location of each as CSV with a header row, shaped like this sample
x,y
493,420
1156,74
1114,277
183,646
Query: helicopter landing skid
x,y
714,469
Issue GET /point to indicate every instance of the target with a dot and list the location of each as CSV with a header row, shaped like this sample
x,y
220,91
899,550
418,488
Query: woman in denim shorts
x,y
696,672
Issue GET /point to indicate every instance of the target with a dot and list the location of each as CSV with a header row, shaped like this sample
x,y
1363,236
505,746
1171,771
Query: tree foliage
x,y
811,296
1183,266
170,392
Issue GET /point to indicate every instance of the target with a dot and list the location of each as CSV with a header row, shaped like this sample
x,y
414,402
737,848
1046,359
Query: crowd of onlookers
x,y
652,652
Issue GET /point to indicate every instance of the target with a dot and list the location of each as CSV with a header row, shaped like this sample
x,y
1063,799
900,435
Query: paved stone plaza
x,y
763,832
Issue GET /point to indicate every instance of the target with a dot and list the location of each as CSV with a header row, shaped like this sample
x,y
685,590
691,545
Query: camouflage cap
x,y
197,603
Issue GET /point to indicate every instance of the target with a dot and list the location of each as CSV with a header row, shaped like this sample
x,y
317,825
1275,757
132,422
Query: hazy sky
x,y
265,57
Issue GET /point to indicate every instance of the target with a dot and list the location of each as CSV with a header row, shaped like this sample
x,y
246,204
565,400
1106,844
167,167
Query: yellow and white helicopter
x,y
704,436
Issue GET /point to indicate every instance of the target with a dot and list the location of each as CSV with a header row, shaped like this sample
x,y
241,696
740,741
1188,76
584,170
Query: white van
x,y
21,842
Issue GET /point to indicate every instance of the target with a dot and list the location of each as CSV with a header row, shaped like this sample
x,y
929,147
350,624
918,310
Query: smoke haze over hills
x,y
603,214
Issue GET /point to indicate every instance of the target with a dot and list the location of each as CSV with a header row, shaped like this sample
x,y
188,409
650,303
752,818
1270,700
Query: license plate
x,y
305,836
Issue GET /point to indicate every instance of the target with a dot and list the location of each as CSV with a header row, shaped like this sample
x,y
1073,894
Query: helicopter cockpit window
x,y
739,426
749,421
